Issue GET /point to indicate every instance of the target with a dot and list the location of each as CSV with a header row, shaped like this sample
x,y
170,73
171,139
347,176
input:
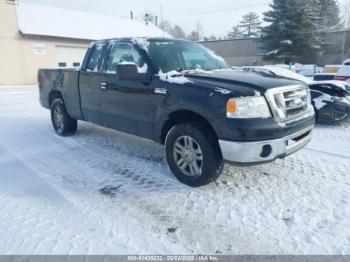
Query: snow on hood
x,y
287,73
180,78
174,77
286,42
284,72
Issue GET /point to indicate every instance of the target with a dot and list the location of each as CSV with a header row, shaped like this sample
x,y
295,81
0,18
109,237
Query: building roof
x,y
67,23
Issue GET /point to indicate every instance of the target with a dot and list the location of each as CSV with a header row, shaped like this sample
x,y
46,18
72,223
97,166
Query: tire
x,y
194,158
62,123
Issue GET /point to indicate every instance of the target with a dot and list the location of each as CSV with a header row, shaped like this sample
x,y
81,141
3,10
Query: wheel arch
x,y
55,94
182,116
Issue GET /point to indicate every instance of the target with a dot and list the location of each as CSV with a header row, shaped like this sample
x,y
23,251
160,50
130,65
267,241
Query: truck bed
x,y
65,81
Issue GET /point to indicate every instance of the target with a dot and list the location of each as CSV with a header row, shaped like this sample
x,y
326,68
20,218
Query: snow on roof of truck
x,y
58,22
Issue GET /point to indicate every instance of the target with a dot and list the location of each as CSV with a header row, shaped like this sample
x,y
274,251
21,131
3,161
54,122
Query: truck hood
x,y
244,83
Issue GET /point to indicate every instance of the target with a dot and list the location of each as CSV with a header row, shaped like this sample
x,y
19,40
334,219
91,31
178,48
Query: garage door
x,y
69,57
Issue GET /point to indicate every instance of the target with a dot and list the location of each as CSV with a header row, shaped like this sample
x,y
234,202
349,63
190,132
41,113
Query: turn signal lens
x,y
231,106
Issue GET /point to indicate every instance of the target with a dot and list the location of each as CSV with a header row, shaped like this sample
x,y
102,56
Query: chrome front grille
x,y
290,103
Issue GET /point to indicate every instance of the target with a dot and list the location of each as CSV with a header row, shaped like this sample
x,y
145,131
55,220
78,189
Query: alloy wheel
x,y
188,156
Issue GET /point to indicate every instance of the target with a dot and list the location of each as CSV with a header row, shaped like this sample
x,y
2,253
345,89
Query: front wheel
x,y
193,157
63,124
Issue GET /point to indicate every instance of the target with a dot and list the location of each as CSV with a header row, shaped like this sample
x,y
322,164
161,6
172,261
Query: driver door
x,y
126,105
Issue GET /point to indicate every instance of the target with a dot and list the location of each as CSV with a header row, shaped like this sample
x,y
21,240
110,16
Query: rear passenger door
x,y
90,85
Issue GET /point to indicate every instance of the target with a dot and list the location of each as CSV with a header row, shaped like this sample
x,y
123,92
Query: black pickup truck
x,y
180,94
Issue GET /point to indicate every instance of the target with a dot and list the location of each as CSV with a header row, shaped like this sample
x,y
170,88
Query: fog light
x,y
266,151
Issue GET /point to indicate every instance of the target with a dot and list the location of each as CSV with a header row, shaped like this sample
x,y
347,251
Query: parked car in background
x,y
332,68
331,99
324,76
182,95
308,70
343,73
276,70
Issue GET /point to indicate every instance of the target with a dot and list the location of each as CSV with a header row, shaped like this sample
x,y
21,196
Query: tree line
x,y
291,31
296,30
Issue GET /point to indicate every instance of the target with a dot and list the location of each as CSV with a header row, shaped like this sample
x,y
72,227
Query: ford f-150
x,y
182,95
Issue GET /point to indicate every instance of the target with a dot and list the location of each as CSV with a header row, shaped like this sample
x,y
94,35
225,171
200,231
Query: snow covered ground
x,y
104,192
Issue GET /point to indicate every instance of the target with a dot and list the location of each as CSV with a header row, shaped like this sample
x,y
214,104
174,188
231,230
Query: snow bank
x,y
286,42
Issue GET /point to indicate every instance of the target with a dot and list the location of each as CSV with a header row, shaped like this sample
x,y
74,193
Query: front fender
x,y
190,97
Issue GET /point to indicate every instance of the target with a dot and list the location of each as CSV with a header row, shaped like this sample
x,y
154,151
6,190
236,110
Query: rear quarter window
x,y
95,58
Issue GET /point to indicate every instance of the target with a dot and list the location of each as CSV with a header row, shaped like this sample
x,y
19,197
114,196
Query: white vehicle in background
x,y
308,70
277,70
343,73
324,76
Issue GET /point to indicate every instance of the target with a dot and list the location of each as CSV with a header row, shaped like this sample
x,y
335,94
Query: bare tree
x,y
345,50
178,32
193,36
197,33
235,33
199,30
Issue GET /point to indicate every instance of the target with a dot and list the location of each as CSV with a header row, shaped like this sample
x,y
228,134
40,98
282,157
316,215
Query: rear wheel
x,y
63,124
194,158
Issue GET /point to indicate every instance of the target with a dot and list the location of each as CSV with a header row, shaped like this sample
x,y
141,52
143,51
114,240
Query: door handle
x,y
103,86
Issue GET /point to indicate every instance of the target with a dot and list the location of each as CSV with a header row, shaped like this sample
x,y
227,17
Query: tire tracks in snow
x,y
240,211
154,190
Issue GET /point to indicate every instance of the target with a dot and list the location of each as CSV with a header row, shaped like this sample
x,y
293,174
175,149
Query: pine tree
x,y
178,32
326,14
290,35
250,25
235,33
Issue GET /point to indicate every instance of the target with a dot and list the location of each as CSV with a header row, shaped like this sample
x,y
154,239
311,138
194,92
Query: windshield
x,y
171,55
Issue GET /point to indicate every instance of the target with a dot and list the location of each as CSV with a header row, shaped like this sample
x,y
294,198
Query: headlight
x,y
248,107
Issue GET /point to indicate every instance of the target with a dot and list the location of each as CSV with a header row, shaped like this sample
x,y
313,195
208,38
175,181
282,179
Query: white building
x,y
33,37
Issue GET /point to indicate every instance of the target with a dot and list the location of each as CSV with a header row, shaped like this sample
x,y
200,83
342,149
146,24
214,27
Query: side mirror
x,y
130,72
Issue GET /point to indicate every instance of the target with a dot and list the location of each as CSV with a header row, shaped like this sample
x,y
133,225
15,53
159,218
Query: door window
x,y
95,57
123,52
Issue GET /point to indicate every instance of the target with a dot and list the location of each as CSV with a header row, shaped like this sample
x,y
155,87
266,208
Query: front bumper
x,y
264,151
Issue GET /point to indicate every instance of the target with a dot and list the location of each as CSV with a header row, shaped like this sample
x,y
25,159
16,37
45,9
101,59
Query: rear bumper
x,y
264,151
